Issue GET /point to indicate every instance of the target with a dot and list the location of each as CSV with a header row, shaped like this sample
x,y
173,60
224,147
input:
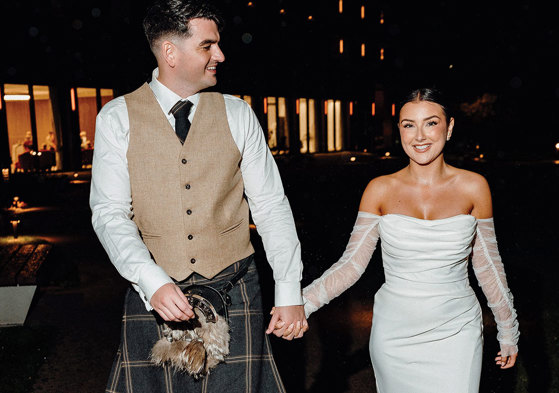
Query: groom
x,y
175,172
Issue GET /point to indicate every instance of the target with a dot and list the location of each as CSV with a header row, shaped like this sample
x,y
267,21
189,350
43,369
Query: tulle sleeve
x,y
490,274
344,273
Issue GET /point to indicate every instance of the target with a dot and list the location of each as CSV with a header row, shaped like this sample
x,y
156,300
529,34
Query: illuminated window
x,y
307,125
278,129
351,108
18,117
362,12
393,109
106,96
341,6
363,50
381,18
47,140
341,46
373,109
334,130
87,109
382,53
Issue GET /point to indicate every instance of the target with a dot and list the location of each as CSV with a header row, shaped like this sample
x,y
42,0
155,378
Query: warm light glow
x,y
393,109
73,99
387,154
352,159
325,107
373,109
477,146
17,97
481,156
382,53
381,18
76,174
362,12
6,173
250,3
341,46
297,106
450,67
265,105
362,50
557,146
351,108
282,11
310,17
341,6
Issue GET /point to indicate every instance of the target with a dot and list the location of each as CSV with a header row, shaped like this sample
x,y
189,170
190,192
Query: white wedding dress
x,y
426,334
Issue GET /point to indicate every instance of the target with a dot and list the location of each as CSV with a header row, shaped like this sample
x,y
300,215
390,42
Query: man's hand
x,y
288,322
171,304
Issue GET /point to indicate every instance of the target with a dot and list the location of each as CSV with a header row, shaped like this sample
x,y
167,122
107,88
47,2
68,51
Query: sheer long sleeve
x,y
490,273
344,273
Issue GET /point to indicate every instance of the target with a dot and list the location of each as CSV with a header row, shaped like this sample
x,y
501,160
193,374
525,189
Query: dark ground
x,y
72,330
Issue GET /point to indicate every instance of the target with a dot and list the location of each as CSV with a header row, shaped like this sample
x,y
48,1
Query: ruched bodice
x,y
426,251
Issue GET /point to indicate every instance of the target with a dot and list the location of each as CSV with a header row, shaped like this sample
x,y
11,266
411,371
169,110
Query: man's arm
x,y
274,222
110,201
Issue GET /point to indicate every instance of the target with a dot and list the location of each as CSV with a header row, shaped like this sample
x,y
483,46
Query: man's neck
x,y
176,87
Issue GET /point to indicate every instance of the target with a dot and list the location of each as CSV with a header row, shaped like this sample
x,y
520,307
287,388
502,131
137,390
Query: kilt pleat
x,y
250,366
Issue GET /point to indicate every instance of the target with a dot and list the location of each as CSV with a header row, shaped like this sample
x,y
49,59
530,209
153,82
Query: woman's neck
x,y
428,174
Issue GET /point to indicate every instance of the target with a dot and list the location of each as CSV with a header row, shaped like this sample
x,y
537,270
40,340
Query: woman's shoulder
x,y
469,181
376,191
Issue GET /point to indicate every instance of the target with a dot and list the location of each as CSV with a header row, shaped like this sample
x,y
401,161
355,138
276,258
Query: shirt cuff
x,y
151,279
288,294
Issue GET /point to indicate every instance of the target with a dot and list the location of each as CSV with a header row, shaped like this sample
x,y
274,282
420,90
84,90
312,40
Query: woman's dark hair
x,y
173,16
430,94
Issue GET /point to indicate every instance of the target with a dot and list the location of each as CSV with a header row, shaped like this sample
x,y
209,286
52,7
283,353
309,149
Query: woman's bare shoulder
x,y
476,188
375,192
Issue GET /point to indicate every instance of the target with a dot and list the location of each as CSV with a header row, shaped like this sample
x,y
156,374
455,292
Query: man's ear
x,y
168,52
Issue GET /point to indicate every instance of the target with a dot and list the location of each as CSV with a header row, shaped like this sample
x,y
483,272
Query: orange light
x,y
351,108
297,106
393,109
373,109
265,105
325,107
250,3
282,11
73,99
310,17
362,50
381,18
382,53
362,12
341,6
341,46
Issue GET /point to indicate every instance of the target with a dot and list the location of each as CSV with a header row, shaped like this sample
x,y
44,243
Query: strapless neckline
x,y
429,220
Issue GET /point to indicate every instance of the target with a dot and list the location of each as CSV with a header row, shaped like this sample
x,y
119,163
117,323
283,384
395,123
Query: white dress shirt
x,y
110,197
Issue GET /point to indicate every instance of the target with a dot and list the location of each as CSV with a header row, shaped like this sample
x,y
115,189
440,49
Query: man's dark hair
x,y
430,94
172,17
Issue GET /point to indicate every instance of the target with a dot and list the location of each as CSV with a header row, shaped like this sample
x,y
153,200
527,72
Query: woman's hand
x,y
505,361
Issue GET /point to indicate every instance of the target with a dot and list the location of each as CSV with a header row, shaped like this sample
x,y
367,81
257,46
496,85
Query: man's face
x,y
197,56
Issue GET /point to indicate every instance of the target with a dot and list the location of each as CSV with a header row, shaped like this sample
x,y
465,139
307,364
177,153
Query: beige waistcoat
x,y
187,200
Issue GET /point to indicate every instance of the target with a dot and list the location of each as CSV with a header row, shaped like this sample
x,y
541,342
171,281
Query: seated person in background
x,y
50,141
28,142
86,143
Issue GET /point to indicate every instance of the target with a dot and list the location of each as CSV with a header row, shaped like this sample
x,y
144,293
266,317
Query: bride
x,y
426,332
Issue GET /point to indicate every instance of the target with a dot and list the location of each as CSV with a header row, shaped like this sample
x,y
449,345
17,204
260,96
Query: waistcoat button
x,y
193,260
189,212
183,160
190,237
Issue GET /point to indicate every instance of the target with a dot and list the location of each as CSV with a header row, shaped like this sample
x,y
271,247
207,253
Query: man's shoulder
x,y
114,106
234,103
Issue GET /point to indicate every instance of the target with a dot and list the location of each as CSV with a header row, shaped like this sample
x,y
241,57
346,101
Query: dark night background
x,y
505,53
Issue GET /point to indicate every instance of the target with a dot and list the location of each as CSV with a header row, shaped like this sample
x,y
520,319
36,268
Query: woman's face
x,y
424,130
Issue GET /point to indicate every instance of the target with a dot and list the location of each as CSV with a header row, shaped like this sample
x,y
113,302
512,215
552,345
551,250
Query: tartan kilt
x,y
250,366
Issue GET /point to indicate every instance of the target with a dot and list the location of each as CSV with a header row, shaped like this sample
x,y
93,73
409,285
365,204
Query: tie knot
x,y
181,109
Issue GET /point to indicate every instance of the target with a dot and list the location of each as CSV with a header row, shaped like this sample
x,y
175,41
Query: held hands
x,y
288,322
505,361
171,304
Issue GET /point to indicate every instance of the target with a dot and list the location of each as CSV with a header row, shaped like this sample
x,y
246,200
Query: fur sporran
x,y
198,345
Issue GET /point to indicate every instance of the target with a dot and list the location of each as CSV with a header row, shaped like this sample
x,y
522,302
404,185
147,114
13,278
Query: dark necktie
x,y
181,110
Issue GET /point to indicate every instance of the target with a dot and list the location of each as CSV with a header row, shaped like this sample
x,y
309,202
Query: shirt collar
x,y
166,97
